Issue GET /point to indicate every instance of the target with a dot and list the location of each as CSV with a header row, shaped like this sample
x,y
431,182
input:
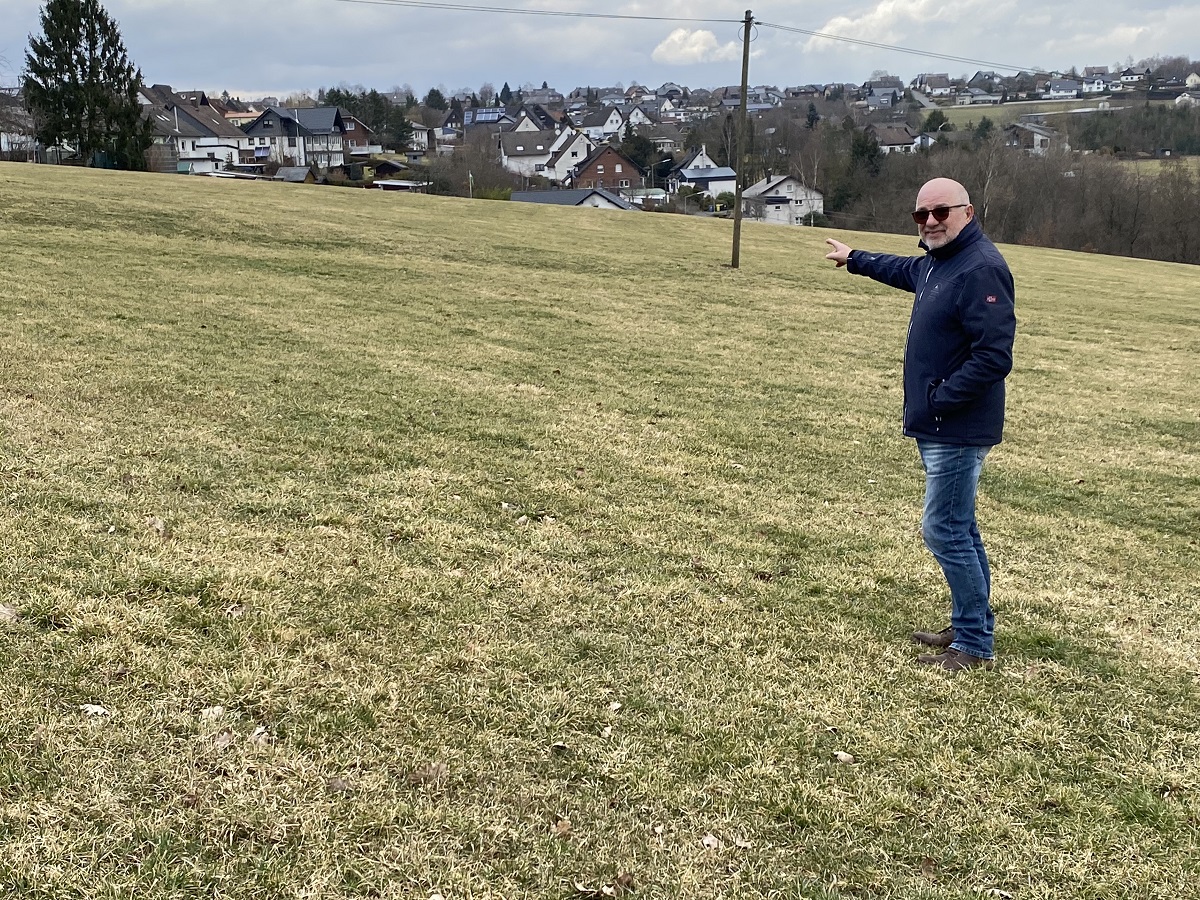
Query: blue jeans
x,y
952,536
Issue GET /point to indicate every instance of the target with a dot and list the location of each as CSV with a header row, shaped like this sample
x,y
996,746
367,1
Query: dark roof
x,y
319,119
527,143
293,173
573,197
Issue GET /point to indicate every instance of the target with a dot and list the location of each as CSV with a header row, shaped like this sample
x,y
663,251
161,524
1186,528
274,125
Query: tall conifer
x,y
80,86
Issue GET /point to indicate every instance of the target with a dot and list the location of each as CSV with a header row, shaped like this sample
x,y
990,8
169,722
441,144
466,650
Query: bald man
x,y
959,350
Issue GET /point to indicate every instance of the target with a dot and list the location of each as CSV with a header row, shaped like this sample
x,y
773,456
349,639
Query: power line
x,y
514,11
509,10
894,48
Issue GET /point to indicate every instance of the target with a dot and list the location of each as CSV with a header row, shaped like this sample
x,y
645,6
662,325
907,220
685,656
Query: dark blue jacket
x,y
960,336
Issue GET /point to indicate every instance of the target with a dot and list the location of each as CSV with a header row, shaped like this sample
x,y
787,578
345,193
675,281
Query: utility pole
x,y
747,23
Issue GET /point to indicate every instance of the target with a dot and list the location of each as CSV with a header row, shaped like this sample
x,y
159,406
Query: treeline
x,y
1091,203
1145,129
1072,201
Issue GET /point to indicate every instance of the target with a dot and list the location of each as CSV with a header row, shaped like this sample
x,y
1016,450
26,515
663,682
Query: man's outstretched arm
x,y
841,253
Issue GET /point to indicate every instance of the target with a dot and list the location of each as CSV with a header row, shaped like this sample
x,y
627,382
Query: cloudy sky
x,y
252,49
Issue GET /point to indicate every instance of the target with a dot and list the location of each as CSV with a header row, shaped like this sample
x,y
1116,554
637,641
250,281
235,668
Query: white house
x,y
1192,81
601,125
1062,89
782,200
698,170
571,150
537,153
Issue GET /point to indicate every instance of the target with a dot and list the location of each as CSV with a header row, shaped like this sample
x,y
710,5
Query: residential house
x,y
570,152
1034,139
1188,100
606,167
1131,77
190,134
698,170
882,98
665,138
325,143
546,96
300,137
527,153
596,198
1098,84
802,92
496,118
1062,89
423,141
1192,81
894,138
782,200
934,85
671,91
602,124
1095,71
358,140
611,121
972,95
535,117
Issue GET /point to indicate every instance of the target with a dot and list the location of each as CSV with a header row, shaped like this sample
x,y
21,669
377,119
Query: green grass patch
x,y
366,545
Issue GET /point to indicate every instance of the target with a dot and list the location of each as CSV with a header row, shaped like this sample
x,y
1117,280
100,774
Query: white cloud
x,y
683,47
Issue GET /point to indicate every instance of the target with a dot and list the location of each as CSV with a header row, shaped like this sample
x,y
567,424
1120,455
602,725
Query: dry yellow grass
x,y
358,544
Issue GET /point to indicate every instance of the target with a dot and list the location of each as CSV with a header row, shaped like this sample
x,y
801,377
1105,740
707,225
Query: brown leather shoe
x,y
943,638
956,661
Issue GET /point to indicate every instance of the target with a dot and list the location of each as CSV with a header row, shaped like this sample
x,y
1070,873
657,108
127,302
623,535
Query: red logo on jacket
x,y
991,298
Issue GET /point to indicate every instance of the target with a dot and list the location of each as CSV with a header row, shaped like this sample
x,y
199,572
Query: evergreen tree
x,y
505,94
80,86
813,116
435,99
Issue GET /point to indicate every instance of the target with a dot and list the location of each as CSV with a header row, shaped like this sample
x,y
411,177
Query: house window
x,y
574,154
599,182
790,188
624,182
267,123
599,170
291,142
349,126
617,167
539,168
520,147
262,141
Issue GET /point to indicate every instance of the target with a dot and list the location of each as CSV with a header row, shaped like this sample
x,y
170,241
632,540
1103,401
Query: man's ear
x,y
970,212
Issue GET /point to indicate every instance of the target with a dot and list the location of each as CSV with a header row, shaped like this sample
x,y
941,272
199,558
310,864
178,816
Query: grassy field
x,y
1010,112
1156,166
367,545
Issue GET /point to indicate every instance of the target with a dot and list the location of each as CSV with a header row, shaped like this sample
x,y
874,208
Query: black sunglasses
x,y
940,213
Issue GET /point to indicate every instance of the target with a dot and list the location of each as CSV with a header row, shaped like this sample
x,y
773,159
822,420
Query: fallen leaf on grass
x,y
158,526
212,712
996,892
223,739
93,709
843,757
236,611
558,748
431,774
339,786
562,827
9,613
742,843
622,884
615,706
929,867
261,736
711,842
606,731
